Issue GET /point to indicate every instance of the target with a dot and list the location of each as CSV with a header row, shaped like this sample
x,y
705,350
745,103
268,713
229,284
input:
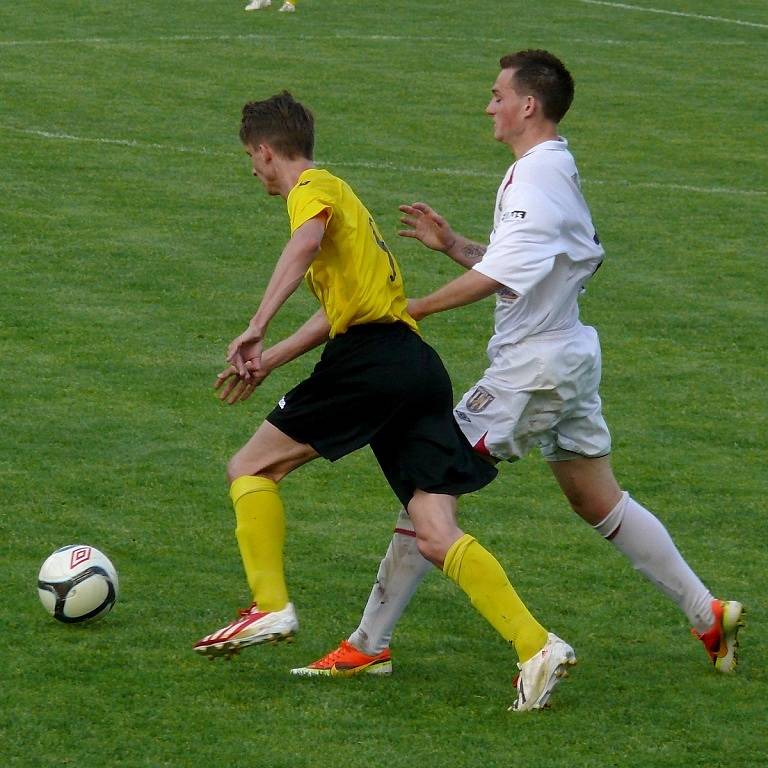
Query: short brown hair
x,y
543,75
287,125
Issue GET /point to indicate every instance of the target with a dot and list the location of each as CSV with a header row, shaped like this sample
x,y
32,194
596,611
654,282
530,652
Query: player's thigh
x,y
522,396
588,484
420,447
580,428
269,453
366,378
583,432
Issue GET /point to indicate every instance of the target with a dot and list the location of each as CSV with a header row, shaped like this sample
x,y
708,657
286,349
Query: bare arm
x,y
289,271
310,335
429,227
465,289
467,252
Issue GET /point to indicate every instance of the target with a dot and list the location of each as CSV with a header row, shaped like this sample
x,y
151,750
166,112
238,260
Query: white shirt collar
x,y
560,144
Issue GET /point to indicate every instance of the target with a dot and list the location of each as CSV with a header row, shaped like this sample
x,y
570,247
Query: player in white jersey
x,y
541,387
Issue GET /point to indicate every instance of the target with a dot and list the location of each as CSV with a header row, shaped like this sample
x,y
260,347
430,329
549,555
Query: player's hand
x,y
428,226
233,388
248,346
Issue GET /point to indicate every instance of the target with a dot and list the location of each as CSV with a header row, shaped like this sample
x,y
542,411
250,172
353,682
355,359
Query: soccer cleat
x,y
252,627
721,639
258,5
287,7
347,661
540,674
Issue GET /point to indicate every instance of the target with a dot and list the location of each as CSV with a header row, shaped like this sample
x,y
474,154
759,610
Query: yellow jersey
x,y
354,276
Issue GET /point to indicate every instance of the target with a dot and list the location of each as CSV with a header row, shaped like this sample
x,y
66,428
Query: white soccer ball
x,y
77,583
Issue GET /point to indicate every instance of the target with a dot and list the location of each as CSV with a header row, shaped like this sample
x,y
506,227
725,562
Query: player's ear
x,y
266,152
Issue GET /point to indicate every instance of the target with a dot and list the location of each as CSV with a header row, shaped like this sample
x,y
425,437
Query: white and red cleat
x,y
252,627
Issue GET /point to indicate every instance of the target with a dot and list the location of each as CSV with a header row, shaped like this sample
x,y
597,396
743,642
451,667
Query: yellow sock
x,y
481,576
260,535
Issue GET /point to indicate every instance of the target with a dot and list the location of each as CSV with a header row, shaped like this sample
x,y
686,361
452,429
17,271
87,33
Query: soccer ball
x,y
77,583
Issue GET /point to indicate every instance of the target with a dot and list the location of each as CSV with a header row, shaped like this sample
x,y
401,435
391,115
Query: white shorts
x,y
542,391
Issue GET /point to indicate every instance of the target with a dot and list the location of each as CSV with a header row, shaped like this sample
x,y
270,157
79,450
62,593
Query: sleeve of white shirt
x,y
524,243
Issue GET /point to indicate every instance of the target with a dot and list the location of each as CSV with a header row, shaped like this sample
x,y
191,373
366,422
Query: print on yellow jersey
x,y
354,276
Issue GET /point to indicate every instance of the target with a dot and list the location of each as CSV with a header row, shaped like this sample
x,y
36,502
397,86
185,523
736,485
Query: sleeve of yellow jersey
x,y
310,198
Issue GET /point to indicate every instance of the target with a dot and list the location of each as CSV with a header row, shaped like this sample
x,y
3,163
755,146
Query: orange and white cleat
x,y
721,640
347,661
252,627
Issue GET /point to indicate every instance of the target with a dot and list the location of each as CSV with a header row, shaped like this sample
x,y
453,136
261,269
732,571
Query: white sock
x,y
635,532
400,573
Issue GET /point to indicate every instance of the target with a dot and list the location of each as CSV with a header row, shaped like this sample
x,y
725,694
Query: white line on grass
x,y
627,7
256,37
118,142
225,38
382,166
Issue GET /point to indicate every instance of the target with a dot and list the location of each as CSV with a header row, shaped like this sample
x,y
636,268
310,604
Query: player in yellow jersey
x,y
377,383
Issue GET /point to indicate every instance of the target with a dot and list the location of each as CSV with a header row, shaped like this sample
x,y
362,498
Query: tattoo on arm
x,y
473,252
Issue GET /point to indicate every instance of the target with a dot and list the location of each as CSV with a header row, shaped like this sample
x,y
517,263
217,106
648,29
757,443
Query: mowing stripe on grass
x,y
228,38
272,38
255,37
379,166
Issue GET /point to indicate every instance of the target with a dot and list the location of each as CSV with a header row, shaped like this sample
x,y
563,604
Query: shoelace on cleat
x,y
331,658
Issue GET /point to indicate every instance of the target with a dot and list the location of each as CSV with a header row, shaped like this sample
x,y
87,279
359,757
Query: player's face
x,y
507,108
263,169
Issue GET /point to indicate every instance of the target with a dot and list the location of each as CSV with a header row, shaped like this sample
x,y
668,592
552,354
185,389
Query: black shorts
x,y
382,385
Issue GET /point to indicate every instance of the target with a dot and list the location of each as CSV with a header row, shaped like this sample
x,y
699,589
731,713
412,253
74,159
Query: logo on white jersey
x,y
479,400
513,215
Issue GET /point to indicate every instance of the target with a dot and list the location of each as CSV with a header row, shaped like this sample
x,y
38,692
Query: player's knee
x,y
593,507
238,466
579,501
431,549
433,543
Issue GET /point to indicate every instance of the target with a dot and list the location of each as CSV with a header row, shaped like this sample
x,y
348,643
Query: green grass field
x,y
134,245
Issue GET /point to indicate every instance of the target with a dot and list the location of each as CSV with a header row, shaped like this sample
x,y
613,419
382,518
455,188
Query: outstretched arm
x,y
465,289
429,227
289,271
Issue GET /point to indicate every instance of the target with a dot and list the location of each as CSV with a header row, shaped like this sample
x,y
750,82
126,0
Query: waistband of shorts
x,y
375,329
560,334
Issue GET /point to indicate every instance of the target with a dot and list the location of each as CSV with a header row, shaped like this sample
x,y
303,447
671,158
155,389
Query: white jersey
x,y
543,247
